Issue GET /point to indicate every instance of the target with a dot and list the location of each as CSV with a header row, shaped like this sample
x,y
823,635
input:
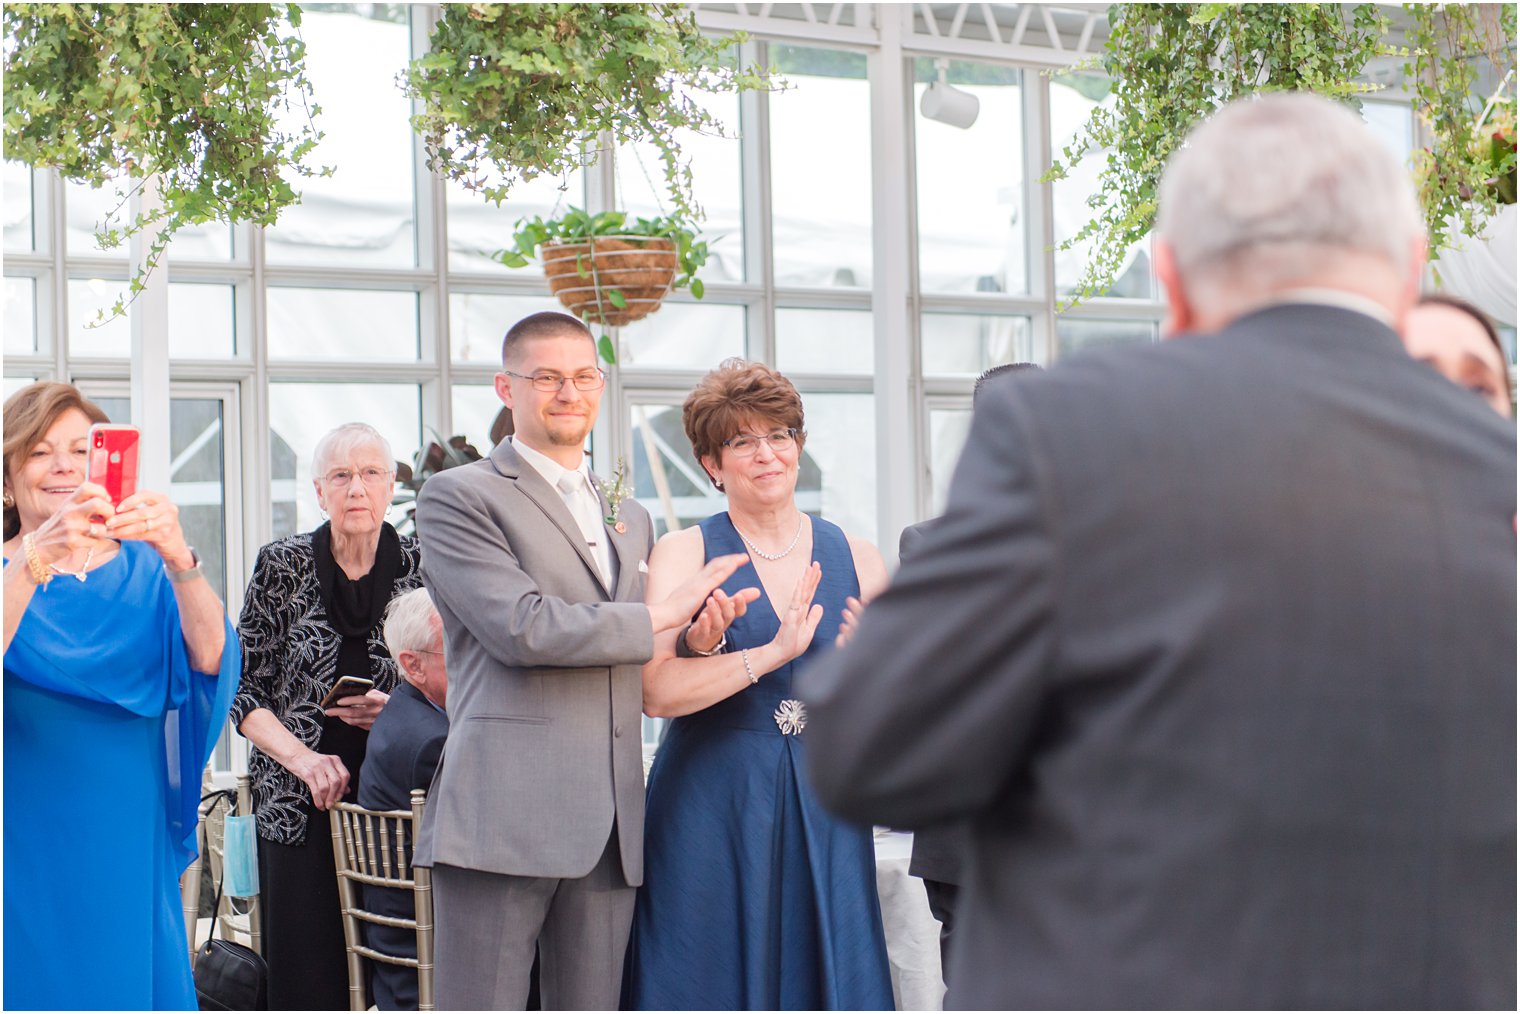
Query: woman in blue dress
x,y
120,666
754,897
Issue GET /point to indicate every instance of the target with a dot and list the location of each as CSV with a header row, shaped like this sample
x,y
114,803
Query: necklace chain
x,y
774,556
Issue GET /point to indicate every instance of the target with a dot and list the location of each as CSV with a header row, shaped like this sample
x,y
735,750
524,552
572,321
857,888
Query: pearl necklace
x,y
773,556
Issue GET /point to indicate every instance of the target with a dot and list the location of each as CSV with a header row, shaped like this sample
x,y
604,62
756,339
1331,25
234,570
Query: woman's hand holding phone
x,y
153,518
72,531
360,711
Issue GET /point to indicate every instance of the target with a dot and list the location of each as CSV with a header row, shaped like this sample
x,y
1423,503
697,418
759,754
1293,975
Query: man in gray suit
x,y
1215,643
535,822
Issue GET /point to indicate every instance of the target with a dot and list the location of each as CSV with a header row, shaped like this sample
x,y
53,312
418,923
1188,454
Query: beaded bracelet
x,y
744,656
40,574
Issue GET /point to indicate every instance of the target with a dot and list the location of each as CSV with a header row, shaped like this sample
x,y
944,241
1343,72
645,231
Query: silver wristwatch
x,y
189,574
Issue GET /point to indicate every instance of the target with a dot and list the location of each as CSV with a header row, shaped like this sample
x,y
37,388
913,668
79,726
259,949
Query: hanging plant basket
x,y
611,280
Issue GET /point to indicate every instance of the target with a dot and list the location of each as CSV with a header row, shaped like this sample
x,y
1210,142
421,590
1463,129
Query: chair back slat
x,y
375,847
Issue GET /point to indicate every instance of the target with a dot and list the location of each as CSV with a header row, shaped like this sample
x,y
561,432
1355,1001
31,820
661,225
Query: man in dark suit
x,y
937,850
402,754
1215,643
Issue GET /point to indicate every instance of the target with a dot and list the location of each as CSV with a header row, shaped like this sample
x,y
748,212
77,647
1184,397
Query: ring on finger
x,y
149,522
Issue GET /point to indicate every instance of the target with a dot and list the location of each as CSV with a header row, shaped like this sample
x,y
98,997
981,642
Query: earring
x,y
9,500
718,483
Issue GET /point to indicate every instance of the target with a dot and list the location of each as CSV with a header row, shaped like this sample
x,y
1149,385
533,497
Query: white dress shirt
x,y
575,488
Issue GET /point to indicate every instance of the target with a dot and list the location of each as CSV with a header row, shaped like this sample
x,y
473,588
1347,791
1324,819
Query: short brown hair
x,y
29,414
545,324
735,392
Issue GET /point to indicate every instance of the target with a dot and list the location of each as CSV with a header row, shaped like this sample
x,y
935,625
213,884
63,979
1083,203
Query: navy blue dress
x,y
754,897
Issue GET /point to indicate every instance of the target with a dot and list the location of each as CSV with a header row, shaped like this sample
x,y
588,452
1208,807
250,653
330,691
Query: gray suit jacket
x,y
545,693
1216,646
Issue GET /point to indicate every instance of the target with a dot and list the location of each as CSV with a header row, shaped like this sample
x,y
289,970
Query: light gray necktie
x,y
586,511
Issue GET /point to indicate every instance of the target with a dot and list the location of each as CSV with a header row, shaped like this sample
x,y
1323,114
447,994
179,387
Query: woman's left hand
x,y
359,711
152,518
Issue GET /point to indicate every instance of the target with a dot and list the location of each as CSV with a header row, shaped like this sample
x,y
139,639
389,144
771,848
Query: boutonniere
x,y
616,492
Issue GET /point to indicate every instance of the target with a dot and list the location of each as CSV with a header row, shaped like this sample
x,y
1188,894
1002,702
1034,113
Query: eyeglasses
x,y
550,383
746,444
339,478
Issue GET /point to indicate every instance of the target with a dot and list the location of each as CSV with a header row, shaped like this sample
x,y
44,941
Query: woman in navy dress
x,y
754,896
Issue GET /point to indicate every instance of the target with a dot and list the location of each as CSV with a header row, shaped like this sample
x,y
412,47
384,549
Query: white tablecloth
x,y
912,932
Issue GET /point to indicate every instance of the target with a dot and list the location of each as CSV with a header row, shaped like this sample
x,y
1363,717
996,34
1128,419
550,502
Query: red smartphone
x,y
113,459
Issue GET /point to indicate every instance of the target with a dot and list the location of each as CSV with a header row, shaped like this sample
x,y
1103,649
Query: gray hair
x,y
1271,181
408,622
343,441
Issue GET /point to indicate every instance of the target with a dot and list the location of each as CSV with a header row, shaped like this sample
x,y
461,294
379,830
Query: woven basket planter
x,y
582,274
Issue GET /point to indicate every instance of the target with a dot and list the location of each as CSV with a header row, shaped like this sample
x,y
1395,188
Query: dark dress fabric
x,y
301,916
754,897
107,728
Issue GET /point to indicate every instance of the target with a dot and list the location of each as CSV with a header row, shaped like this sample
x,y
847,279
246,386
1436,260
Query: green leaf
x,y
604,347
617,299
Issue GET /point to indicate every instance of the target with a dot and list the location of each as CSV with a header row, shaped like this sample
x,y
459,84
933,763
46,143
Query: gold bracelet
x,y
40,574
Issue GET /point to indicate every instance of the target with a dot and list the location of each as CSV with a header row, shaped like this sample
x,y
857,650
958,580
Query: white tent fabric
x,y
1482,270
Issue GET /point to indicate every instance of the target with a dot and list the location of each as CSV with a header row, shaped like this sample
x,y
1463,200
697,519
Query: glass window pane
x,y
342,324
299,416
202,321
19,215
971,183
197,481
85,211
824,341
837,477
715,165
1393,123
1072,97
948,429
478,228
20,315
14,384
1082,335
688,336
962,343
821,168
667,479
364,213
476,411
88,334
479,321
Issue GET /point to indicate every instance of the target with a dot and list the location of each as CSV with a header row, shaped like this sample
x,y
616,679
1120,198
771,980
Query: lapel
x,y
536,488
628,556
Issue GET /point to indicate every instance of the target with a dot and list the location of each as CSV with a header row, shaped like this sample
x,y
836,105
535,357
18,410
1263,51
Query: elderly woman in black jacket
x,y
313,613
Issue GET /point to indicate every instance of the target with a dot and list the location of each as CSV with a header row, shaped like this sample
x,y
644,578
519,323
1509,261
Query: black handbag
x,y
228,975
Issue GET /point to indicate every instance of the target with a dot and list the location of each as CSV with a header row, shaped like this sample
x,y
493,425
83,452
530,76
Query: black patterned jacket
x,y
290,662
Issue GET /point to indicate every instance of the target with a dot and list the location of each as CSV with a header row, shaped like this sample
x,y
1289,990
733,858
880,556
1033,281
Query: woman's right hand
x,y
70,529
324,775
801,617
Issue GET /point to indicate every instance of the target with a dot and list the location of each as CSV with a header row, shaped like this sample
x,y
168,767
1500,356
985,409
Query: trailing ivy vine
x,y
1174,64
189,92
1171,65
1468,169
509,92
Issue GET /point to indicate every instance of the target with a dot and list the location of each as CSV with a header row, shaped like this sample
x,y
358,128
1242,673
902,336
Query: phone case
x,y
112,461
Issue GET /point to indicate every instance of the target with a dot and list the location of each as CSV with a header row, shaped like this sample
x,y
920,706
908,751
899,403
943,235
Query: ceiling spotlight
x,y
948,104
